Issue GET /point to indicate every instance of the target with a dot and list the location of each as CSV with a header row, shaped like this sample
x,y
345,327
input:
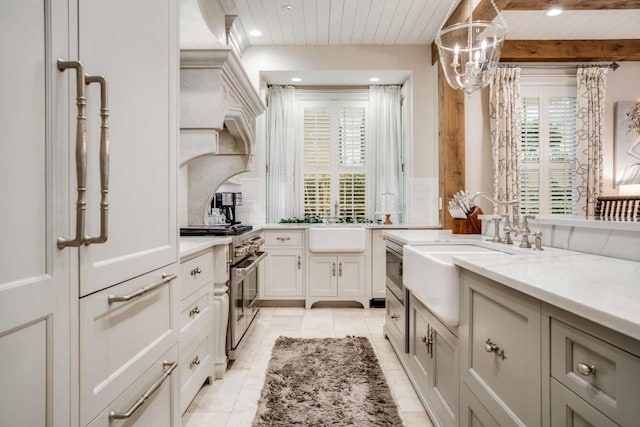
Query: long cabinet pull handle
x,y
104,161
333,269
299,263
169,368
340,269
166,278
81,153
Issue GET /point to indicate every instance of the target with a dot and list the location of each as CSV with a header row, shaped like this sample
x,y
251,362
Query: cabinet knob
x,y
491,347
394,316
194,311
195,362
586,370
196,271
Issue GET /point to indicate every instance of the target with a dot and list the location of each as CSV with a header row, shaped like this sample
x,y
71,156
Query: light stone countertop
x,y
191,245
304,226
602,289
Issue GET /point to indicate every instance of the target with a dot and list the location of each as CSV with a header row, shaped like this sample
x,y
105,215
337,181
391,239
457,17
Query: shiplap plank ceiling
x,y
342,21
388,22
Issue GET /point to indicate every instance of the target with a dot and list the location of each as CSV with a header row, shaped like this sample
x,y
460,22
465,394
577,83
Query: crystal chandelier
x,y
470,51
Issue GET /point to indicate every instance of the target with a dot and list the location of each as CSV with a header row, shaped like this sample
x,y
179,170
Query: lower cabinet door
x,y
323,273
195,367
472,413
351,276
120,339
568,409
500,350
283,273
159,409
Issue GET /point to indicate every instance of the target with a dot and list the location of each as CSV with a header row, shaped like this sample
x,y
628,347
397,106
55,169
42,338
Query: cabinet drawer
x,y
472,413
283,237
195,367
500,331
157,409
395,321
195,273
567,409
196,313
120,340
603,375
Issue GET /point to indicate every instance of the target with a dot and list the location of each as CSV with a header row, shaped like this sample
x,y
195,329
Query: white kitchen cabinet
x,y
433,360
196,325
500,357
41,284
378,263
35,280
140,63
337,277
284,265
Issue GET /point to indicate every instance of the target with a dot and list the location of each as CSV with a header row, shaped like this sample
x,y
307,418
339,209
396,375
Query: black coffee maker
x,y
227,202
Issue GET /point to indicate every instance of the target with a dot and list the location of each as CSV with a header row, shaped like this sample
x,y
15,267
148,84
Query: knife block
x,y
470,225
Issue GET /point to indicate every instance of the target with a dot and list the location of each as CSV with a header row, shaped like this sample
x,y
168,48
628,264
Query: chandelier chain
x,y
493,3
449,12
455,2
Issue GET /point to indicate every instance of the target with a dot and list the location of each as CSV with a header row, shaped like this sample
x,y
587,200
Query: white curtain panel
x,y
385,142
283,159
591,92
504,117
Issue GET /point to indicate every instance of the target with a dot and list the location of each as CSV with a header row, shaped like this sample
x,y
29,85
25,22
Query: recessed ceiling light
x,y
287,7
374,79
255,33
554,11
296,79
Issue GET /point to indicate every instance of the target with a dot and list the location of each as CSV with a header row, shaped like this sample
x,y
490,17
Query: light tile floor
x,y
232,401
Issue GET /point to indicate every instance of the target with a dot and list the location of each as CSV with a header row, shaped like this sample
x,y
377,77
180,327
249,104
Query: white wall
x,y
622,85
416,59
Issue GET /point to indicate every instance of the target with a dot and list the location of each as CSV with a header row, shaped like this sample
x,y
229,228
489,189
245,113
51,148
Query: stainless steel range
x,y
246,257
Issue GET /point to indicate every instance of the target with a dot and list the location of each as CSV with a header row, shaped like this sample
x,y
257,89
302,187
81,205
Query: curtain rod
x,y
614,65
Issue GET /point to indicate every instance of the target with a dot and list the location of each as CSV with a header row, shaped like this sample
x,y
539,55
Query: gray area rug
x,y
325,382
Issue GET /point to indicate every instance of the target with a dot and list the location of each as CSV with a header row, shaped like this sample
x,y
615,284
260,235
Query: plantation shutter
x,y
317,194
317,136
335,159
548,150
530,152
562,155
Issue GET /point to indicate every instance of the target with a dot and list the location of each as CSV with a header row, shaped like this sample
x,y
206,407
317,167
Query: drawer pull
x,y
169,366
491,347
195,271
194,311
424,339
194,362
586,370
166,278
283,239
394,316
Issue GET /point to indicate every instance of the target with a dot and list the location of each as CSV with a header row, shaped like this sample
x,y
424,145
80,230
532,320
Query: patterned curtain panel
x,y
283,164
591,86
504,116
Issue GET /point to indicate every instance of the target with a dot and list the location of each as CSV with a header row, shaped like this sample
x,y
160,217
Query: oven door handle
x,y
246,270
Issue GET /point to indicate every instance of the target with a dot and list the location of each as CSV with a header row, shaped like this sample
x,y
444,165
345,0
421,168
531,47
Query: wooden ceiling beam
x,y
572,4
570,50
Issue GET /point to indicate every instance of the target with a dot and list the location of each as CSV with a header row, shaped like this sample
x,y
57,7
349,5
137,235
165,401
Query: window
x,y
334,166
548,148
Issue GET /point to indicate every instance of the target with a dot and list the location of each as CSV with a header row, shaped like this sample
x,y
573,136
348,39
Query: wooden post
x,y
450,145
